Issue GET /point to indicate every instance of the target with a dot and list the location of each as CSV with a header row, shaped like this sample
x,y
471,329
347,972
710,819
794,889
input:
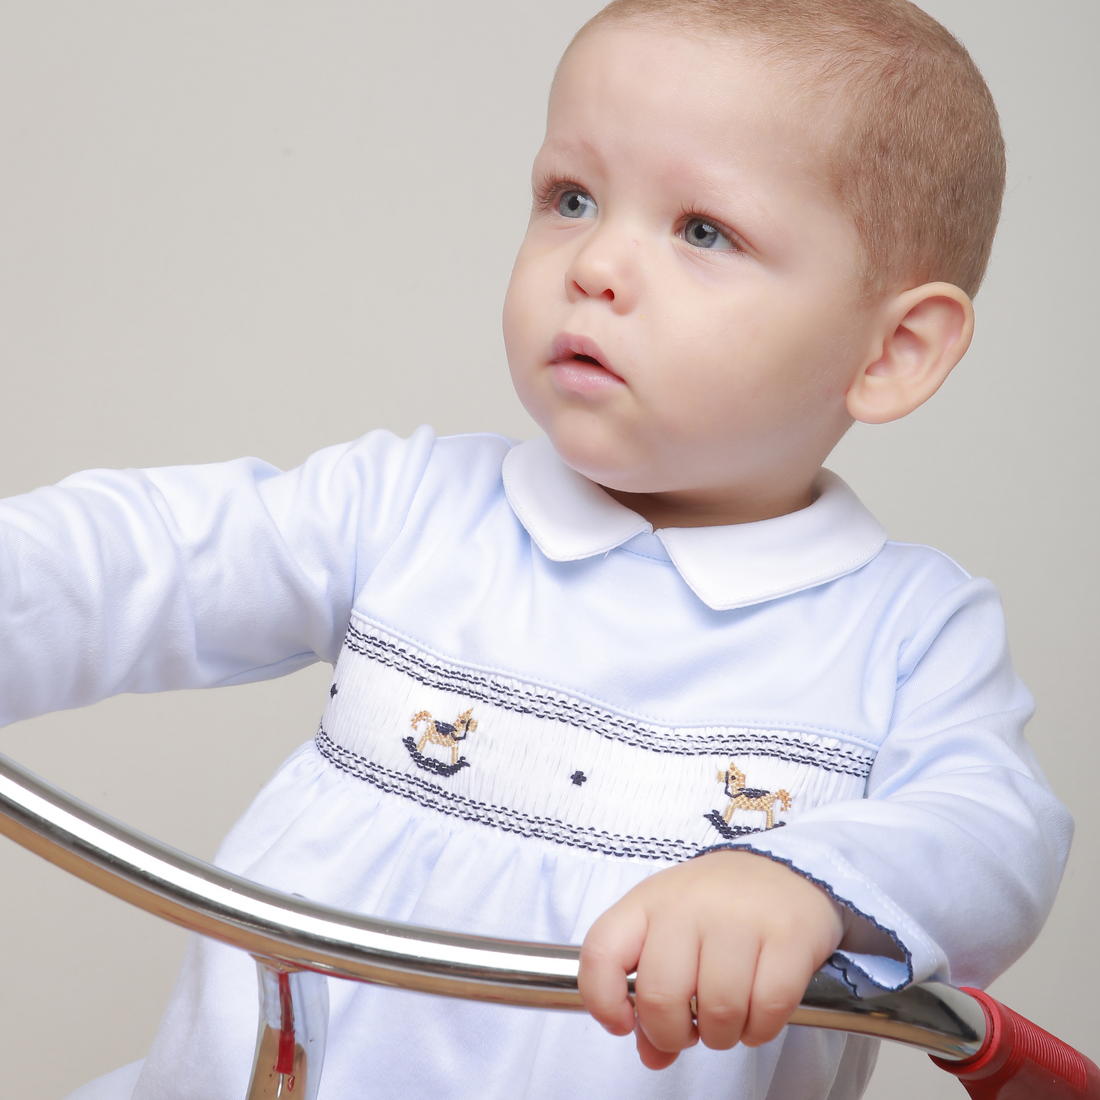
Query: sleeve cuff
x,y
866,975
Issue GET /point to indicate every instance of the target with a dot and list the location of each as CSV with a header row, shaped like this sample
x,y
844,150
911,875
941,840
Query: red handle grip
x,y
1020,1061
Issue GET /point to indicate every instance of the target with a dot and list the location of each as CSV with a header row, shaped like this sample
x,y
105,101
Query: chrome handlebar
x,y
290,934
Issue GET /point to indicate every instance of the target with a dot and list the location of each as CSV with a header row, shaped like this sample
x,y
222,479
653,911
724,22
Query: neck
x,y
685,508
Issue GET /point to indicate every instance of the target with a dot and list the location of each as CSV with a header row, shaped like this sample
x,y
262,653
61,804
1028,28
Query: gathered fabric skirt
x,y
317,831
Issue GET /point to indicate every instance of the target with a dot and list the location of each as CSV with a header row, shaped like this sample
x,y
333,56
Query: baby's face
x,y
684,316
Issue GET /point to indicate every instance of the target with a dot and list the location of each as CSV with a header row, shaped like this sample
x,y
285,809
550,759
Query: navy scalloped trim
x,y
789,864
843,964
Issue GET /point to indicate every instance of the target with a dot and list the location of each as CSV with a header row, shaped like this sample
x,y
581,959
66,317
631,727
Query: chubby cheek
x,y
780,357
522,339
534,292
709,378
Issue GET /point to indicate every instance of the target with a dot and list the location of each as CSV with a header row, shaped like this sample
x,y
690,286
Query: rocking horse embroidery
x,y
446,734
745,798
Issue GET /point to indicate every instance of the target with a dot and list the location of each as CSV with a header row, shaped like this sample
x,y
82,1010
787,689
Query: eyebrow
x,y
572,148
712,191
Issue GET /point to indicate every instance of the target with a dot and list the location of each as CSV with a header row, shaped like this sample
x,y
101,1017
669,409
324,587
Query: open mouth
x,y
582,350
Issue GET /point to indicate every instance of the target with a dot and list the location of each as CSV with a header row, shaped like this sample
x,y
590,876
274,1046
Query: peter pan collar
x,y
570,518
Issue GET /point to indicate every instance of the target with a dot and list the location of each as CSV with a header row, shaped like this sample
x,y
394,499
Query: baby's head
x,y
754,221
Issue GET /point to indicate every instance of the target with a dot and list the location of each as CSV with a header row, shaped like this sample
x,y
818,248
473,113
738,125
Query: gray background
x,y
245,227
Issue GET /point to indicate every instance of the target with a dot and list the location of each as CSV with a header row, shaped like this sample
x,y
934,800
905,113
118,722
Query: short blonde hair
x,y
919,159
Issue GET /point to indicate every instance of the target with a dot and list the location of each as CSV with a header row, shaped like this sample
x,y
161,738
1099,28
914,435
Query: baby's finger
x,y
610,952
667,972
727,969
783,971
650,1056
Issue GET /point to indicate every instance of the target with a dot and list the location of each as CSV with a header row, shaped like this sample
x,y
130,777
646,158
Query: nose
x,y
607,266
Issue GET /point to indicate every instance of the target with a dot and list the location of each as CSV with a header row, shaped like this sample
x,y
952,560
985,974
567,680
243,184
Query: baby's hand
x,y
739,932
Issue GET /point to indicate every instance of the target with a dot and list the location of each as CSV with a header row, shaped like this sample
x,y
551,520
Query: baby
x,y
656,680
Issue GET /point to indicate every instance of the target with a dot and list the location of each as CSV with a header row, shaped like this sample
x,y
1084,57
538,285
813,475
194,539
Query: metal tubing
x,y
290,1044
295,934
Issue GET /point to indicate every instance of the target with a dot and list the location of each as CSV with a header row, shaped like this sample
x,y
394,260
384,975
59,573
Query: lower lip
x,y
577,377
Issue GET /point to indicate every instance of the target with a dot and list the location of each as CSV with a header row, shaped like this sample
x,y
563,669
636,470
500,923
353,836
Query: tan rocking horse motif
x,y
745,798
446,734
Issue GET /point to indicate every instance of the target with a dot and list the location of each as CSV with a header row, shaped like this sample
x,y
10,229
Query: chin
x,y
601,461
584,453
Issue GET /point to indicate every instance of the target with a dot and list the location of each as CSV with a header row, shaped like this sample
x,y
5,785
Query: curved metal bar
x,y
297,934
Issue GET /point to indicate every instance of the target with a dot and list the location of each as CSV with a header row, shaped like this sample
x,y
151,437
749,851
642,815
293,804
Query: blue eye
x,y
704,235
575,204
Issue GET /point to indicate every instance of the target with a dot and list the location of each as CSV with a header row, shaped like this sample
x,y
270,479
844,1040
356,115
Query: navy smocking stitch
x,y
489,689
493,672
727,830
436,767
434,797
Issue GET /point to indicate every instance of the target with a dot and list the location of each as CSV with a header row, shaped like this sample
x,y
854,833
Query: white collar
x,y
570,518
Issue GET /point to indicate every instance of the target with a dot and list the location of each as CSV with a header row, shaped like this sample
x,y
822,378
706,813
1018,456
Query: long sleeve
x,y
144,580
959,846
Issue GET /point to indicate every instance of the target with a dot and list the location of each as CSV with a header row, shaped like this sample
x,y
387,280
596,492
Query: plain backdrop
x,y
252,227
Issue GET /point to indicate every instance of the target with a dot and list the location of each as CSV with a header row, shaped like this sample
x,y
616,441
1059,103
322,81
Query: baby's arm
x,y
946,870
147,580
741,933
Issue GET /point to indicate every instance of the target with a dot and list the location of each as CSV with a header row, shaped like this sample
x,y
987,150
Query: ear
x,y
924,332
